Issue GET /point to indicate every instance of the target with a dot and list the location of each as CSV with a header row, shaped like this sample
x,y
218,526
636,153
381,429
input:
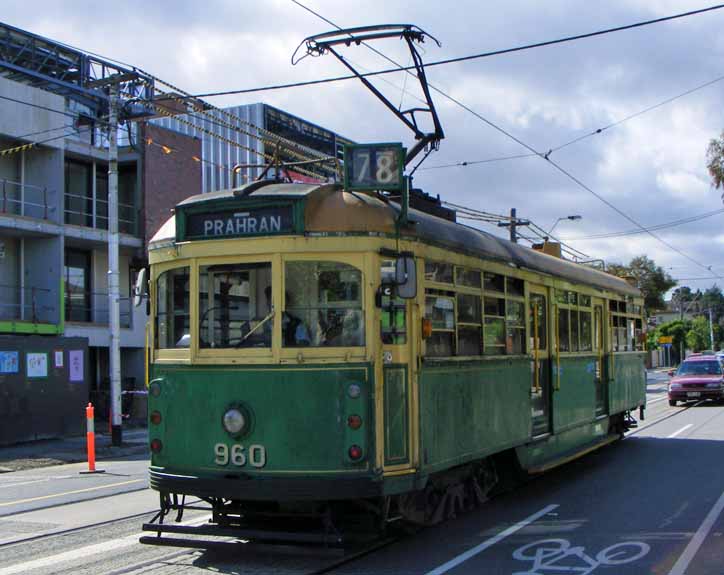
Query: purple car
x,y
698,377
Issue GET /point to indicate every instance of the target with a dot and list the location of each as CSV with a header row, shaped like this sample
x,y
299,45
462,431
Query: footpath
x,y
46,452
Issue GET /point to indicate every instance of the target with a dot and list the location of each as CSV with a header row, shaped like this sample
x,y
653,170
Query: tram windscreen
x,y
172,309
323,305
235,306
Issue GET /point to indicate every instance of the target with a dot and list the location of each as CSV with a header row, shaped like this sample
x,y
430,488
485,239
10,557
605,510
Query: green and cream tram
x,y
313,353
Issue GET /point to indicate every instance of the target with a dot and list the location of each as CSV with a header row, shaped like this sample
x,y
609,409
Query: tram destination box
x,y
240,222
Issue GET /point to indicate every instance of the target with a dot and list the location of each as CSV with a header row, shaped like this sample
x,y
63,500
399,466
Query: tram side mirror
x,y
406,277
139,290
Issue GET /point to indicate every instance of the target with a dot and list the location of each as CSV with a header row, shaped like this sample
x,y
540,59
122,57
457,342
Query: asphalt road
x,y
650,504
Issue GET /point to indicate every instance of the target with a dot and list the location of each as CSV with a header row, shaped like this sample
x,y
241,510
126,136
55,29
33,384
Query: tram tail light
x,y
156,445
426,328
155,417
354,421
355,452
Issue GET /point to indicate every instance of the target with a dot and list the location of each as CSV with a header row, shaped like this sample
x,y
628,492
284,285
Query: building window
x,y
77,275
78,194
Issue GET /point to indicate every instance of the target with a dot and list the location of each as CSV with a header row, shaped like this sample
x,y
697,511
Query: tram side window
x,y
575,325
440,310
322,305
172,309
235,308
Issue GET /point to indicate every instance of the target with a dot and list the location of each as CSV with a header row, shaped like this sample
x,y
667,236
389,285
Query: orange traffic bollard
x,y
91,440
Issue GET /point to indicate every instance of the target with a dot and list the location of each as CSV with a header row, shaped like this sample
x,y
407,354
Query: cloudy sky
x,y
652,166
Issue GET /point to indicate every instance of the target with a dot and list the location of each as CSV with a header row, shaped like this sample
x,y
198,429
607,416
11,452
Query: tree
x,y
697,338
715,161
651,279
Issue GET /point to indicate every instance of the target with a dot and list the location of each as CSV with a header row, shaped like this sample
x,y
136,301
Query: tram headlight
x,y
234,421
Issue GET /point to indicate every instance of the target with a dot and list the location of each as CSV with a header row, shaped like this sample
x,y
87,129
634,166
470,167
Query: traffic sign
x,y
666,339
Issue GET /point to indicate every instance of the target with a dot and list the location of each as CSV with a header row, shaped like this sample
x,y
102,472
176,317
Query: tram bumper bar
x,y
255,535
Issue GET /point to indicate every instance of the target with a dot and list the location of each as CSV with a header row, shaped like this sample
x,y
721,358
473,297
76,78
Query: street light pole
x,y
572,218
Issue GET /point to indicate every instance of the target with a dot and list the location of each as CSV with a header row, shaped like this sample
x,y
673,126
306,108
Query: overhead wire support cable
x,y
471,56
654,227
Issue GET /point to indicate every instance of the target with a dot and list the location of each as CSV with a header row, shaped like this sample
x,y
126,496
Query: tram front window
x,y
235,308
323,305
172,309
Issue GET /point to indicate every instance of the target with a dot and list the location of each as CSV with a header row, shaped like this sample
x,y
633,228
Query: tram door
x,y
540,404
599,347
397,371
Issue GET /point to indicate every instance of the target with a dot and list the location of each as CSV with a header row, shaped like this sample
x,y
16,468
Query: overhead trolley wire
x,y
655,227
585,136
469,57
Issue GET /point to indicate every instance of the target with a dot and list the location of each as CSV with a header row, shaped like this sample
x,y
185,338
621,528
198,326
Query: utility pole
x,y
513,224
113,271
711,331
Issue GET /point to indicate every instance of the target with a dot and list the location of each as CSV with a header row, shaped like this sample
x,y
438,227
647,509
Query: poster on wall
x,y
58,358
75,364
37,365
9,361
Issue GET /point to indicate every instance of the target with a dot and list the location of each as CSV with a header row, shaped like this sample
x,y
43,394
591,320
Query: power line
x,y
639,113
587,135
654,228
46,108
469,57
472,163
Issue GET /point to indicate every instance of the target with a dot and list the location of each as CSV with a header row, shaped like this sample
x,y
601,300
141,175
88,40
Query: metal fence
x,y
92,307
25,304
84,211
26,200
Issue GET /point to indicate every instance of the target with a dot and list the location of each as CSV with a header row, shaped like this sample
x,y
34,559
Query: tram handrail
x,y
558,349
536,369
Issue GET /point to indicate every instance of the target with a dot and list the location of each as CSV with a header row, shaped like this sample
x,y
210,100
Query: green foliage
x,y
715,161
651,279
697,338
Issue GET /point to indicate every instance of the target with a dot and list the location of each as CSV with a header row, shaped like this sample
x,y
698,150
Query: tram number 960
x,y
238,455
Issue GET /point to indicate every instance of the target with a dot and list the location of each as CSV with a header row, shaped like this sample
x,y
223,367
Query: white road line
x,y
650,401
682,430
698,538
75,491
445,567
86,551
3,485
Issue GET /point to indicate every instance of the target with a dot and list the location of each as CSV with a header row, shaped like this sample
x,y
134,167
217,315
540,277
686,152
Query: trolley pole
x,y
113,271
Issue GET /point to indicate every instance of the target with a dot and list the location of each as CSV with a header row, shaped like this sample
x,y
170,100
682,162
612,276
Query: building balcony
x,y
27,200
92,307
28,310
85,211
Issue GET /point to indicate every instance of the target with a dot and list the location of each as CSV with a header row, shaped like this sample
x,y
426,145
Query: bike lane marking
x,y
686,557
455,561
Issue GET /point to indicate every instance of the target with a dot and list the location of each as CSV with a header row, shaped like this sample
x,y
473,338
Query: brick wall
x,y
168,178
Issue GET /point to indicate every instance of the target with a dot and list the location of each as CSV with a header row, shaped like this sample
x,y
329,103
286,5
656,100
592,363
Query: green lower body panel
x,y
561,447
469,410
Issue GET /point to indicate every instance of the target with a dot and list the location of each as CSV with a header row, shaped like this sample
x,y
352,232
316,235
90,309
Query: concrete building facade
x,y
54,231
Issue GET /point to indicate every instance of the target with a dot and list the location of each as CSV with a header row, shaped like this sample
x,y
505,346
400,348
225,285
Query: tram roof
x,y
369,213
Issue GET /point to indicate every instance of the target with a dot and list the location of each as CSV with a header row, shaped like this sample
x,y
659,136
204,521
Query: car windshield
x,y
700,368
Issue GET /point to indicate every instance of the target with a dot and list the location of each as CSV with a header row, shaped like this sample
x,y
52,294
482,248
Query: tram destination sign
x,y
374,167
240,222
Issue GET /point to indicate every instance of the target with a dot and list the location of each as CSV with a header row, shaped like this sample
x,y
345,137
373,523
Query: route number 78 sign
x,y
374,167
